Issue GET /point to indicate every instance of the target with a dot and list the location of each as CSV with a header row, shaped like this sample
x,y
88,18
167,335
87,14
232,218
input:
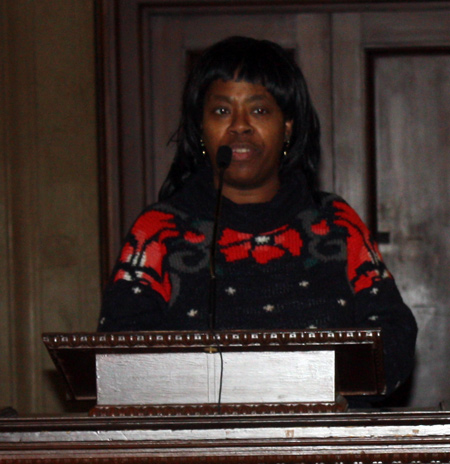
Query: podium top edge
x,y
230,338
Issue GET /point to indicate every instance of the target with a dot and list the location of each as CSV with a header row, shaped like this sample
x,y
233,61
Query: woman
x,y
289,256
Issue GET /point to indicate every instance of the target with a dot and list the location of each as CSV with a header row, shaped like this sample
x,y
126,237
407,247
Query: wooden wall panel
x,y
20,200
6,346
49,222
313,36
349,118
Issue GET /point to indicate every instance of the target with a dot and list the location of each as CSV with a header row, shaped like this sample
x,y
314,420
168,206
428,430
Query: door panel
x,y
412,114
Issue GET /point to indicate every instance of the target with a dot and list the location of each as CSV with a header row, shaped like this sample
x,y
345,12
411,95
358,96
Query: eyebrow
x,y
251,99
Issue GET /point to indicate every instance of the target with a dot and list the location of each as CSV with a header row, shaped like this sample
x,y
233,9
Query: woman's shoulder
x,y
155,217
325,199
331,202
172,217
337,209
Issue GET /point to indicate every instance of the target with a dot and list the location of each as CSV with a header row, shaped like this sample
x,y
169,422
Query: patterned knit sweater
x,y
294,262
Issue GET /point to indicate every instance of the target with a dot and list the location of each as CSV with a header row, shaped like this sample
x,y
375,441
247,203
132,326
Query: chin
x,y
243,183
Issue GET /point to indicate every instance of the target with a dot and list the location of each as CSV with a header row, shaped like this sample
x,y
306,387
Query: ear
x,y
288,129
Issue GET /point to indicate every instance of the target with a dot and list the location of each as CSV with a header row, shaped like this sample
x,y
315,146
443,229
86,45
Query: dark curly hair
x,y
257,62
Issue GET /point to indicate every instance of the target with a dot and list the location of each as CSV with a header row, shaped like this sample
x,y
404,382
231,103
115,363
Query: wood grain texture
x,y
348,438
50,189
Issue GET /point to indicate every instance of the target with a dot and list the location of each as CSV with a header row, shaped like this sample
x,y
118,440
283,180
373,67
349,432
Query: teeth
x,y
241,150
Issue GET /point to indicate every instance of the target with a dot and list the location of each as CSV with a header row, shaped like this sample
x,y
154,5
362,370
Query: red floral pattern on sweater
x,y
262,248
143,257
144,253
365,265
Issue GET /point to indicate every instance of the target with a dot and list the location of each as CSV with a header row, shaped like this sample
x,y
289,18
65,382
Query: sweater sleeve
x,y
382,306
139,290
378,303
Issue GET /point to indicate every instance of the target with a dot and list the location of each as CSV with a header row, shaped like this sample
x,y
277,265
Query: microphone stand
x,y
224,154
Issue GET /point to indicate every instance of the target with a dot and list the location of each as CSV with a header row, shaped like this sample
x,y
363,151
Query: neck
x,y
241,195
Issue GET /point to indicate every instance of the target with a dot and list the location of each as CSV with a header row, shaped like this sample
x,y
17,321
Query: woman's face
x,y
247,118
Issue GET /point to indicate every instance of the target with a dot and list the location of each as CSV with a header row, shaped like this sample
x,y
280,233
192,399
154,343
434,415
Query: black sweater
x,y
292,263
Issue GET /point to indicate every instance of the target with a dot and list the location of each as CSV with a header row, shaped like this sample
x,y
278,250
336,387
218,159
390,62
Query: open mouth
x,y
243,152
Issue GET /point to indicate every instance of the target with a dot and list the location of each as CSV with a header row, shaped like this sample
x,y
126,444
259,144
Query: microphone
x,y
223,160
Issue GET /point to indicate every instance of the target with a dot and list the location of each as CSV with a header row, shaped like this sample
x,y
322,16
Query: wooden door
x,y
412,150
395,129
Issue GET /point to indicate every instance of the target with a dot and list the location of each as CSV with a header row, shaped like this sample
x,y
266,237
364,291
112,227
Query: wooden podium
x,y
233,372
157,398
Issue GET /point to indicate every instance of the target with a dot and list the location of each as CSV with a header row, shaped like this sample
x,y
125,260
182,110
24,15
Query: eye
x,y
260,110
221,110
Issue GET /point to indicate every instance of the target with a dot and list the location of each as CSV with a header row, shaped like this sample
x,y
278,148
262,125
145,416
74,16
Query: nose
x,y
240,123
